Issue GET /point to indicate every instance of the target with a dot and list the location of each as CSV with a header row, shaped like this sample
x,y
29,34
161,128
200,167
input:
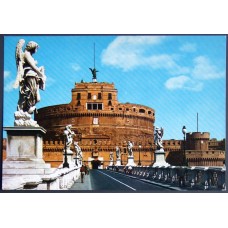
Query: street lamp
x,y
121,156
151,151
184,156
65,164
139,154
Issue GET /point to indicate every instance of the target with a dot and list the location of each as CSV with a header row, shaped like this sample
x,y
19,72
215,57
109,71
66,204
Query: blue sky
x,y
178,76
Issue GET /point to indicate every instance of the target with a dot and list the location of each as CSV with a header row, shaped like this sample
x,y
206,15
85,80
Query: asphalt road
x,y
108,181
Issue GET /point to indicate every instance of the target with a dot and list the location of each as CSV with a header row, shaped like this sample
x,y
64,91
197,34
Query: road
x,y
108,181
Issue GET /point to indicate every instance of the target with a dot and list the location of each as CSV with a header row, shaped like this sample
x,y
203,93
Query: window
x,y
100,106
99,96
95,120
94,106
79,103
110,96
78,96
109,103
142,110
89,95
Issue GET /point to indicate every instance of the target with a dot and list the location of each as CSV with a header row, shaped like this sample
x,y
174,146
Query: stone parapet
x,y
185,178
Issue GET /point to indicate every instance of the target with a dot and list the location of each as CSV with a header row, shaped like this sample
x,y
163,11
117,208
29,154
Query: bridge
x,y
25,169
123,179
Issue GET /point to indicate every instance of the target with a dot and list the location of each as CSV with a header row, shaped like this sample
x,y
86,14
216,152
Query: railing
x,y
60,179
190,178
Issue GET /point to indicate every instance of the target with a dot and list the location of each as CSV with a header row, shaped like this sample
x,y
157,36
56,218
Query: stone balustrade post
x,y
221,179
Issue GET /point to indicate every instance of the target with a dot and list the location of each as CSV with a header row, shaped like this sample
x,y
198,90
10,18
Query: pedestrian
x,y
86,170
82,170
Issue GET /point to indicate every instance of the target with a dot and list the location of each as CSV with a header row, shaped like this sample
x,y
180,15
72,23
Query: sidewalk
x,y
78,186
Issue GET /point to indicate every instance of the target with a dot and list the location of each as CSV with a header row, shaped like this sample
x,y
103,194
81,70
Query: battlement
x,y
198,135
92,85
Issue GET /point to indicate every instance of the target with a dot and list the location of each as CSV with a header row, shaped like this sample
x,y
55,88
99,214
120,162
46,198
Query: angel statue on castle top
x,y
30,78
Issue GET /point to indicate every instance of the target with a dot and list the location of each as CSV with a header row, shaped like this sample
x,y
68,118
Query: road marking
x,y
118,181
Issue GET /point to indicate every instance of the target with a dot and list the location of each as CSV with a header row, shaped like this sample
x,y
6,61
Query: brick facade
x,y
100,122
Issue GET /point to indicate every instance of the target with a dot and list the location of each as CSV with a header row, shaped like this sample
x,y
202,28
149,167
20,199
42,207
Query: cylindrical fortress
x,y
100,122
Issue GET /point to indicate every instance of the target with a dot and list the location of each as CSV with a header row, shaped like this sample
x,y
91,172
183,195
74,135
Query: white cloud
x,y
75,67
183,82
9,86
166,62
129,52
126,52
188,47
204,69
135,40
6,73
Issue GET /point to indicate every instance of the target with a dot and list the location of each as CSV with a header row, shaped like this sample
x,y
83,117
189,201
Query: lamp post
x,y
139,153
65,164
151,151
184,156
121,156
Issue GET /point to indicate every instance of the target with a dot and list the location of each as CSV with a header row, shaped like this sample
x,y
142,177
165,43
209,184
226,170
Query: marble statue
x,y
158,137
111,156
78,150
129,148
117,152
68,133
30,79
78,154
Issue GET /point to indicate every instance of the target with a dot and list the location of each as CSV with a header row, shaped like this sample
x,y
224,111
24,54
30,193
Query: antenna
x,y
94,71
94,54
197,122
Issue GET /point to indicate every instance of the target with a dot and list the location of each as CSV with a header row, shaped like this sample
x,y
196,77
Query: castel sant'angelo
x,y
101,123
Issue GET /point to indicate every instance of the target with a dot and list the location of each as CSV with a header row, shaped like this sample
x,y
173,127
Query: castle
x,y
101,123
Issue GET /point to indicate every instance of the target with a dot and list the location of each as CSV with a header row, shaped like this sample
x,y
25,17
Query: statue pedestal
x,y
118,162
160,158
24,156
130,161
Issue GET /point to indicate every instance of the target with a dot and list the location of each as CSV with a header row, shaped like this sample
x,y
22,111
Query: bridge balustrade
x,y
61,179
195,178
